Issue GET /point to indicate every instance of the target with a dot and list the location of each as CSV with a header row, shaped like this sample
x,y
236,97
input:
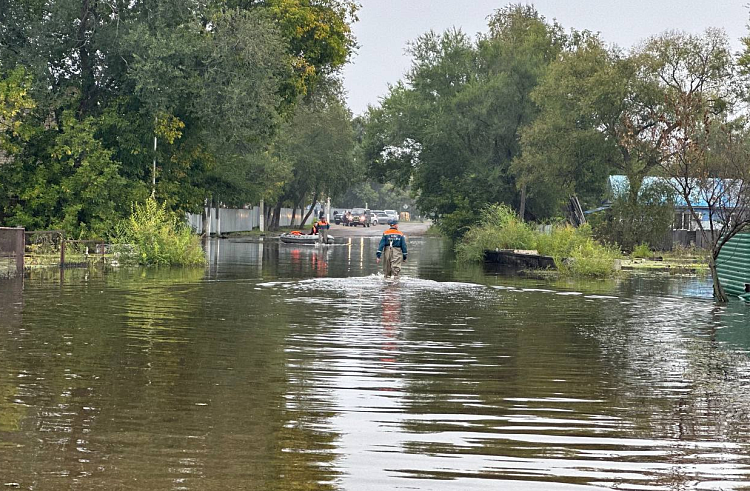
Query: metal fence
x,y
11,252
684,239
239,219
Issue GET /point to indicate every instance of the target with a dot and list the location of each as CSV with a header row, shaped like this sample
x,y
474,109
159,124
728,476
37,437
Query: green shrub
x,y
152,235
642,250
628,224
574,250
499,228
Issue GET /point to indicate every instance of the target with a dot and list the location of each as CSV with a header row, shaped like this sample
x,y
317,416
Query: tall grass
x,y
574,249
152,235
499,228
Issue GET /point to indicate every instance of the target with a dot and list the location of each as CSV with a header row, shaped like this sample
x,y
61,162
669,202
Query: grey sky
x,y
386,26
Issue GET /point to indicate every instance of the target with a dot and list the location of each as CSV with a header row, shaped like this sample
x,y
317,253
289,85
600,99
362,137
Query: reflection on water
x,y
286,367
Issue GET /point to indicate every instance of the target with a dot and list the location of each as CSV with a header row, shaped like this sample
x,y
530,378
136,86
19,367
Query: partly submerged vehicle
x,y
300,238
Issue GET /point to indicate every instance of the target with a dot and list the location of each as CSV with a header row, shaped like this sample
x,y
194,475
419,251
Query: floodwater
x,y
294,368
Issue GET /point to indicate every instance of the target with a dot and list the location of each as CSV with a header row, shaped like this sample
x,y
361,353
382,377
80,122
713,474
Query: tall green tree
x,y
451,129
212,81
318,144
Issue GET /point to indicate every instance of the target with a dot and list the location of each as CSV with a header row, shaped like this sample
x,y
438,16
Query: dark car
x,y
360,216
337,217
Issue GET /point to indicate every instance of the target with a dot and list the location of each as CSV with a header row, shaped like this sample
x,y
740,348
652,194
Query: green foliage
x,y
75,187
320,39
378,197
499,228
451,130
213,81
152,235
641,251
15,103
574,249
576,252
646,220
318,142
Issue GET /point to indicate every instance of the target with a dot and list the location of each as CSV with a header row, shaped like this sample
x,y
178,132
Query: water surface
x,y
283,367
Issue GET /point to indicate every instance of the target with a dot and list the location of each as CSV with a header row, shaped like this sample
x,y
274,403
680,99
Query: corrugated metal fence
x,y
240,220
733,265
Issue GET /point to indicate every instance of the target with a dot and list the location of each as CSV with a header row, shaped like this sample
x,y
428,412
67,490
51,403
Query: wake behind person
x,y
392,239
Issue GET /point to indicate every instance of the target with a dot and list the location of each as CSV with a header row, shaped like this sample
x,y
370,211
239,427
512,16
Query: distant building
x,y
683,219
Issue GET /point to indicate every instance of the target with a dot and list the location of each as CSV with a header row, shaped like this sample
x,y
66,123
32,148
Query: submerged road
x,y
410,229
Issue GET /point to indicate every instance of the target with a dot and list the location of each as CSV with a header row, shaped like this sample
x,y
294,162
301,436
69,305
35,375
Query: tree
x,y
318,144
212,81
706,157
600,113
451,130
15,104
76,187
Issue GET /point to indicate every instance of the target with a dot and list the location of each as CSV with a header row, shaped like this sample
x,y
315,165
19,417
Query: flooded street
x,y
283,367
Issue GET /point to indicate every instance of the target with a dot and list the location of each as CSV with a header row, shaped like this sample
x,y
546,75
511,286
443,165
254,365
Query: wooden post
x,y
218,220
62,251
20,249
262,216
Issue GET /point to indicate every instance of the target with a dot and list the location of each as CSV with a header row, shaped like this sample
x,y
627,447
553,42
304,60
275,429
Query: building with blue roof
x,y
683,220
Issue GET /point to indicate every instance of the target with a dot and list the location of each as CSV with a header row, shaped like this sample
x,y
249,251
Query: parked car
x,y
360,216
337,215
392,214
380,216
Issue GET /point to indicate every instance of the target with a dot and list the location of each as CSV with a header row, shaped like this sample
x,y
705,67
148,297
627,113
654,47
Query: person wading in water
x,y
323,230
392,239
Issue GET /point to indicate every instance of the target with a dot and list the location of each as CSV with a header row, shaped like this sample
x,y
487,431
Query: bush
x,y
576,252
574,249
154,236
642,250
499,228
646,221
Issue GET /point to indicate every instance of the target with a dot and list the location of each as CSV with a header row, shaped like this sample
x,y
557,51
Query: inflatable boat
x,y
299,238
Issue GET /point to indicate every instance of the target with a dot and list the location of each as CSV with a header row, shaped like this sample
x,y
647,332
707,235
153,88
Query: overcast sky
x,y
386,26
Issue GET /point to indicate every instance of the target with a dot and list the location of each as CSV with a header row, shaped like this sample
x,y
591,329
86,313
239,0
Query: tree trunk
x,y
309,212
522,208
634,182
719,294
277,215
294,212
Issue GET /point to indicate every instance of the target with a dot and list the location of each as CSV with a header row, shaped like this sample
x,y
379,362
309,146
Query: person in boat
x,y
392,248
314,229
323,227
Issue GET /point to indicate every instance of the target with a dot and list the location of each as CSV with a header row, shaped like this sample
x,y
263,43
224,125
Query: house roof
x,y
619,184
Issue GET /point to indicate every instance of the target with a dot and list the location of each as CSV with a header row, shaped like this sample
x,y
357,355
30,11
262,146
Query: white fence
x,y
240,220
